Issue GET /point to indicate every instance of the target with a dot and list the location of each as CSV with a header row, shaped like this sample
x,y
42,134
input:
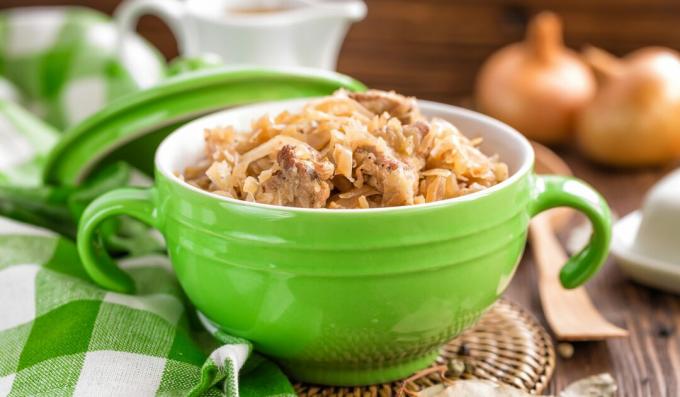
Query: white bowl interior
x,y
185,147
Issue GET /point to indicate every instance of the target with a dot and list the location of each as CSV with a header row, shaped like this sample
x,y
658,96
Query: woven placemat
x,y
507,345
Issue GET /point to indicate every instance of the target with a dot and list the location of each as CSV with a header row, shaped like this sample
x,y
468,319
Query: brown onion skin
x,y
634,120
537,86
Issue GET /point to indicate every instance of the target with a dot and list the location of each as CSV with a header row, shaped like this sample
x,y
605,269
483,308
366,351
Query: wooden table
x,y
433,49
648,362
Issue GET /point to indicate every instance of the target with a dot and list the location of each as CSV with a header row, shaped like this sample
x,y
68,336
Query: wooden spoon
x,y
570,313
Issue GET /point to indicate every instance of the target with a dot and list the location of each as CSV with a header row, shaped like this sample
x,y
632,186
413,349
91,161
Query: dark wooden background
x,y
432,49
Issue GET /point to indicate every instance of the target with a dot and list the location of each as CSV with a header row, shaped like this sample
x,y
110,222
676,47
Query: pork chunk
x,y
300,181
386,173
379,102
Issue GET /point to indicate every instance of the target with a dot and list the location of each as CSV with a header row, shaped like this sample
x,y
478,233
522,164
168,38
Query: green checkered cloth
x,y
67,63
60,335
61,64
24,142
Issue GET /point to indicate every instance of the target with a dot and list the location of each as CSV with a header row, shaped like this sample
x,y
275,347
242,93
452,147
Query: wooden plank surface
x,y
648,362
432,49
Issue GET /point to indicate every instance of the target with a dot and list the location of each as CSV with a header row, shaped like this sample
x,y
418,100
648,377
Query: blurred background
x,y
433,49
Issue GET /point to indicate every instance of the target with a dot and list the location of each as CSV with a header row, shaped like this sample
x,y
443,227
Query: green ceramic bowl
x,y
346,297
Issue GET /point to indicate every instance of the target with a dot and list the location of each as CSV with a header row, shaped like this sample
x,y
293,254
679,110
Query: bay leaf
x,y
473,388
601,385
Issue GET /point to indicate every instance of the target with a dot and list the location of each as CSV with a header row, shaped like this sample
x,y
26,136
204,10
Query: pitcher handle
x,y
172,12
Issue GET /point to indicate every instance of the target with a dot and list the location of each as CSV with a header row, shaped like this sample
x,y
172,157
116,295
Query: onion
x,y
634,120
537,86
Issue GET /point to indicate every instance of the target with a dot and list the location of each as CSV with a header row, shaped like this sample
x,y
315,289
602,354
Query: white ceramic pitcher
x,y
253,32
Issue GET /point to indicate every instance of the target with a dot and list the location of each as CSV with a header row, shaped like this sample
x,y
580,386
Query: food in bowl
x,y
344,297
349,150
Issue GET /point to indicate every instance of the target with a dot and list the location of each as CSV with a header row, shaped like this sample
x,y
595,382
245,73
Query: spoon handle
x,y
570,313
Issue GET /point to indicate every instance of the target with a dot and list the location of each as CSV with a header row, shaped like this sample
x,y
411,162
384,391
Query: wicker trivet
x,y
507,345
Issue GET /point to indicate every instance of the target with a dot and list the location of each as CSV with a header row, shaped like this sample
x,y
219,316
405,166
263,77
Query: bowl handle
x,y
552,191
137,203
